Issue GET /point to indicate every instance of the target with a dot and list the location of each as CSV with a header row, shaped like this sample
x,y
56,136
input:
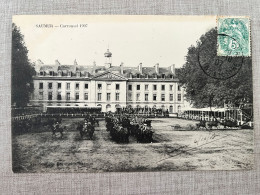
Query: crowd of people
x,y
143,111
33,123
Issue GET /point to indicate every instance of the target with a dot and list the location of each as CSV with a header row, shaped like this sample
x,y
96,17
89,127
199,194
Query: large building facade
x,y
109,87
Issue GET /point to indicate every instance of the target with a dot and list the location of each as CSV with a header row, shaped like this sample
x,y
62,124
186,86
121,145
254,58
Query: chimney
x,y
122,68
75,62
156,66
140,68
172,67
57,62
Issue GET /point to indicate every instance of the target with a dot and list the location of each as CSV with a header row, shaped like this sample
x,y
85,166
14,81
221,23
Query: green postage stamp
x,y
233,36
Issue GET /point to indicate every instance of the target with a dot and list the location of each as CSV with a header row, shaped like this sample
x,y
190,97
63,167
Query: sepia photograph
x,y
131,93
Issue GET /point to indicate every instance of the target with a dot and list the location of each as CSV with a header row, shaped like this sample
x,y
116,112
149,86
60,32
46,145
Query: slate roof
x,y
94,70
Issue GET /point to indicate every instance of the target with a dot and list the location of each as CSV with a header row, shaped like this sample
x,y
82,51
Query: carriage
x,y
121,127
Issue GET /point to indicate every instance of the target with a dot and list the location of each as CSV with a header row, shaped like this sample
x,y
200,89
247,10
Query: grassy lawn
x,y
171,150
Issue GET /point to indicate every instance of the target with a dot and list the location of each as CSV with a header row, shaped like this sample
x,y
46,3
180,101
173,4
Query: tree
x,y
212,80
22,71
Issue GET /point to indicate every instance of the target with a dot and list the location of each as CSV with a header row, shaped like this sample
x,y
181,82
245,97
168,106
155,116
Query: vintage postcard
x,y
131,93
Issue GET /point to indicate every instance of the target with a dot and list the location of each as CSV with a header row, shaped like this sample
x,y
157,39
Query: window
x,y
41,73
40,85
108,86
69,74
154,97
40,95
163,76
117,86
171,97
171,109
59,73
50,96
146,87
130,87
49,85
99,86
99,96
77,86
68,86
108,96
137,87
51,73
117,96
78,74
179,97
163,87
59,85
138,97
138,76
146,97
86,96
77,96
154,87
179,87
163,97
86,85
59,96
179,109
68,96
130,97
171,87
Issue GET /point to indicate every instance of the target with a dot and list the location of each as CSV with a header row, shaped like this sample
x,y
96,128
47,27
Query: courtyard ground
x,y
171,150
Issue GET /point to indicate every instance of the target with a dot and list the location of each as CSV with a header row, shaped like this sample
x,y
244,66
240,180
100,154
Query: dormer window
x,y
42,73
147,76
69,74
130,76
155,76
171,76
138,76
51,73
59,73
86,74
78,74
163,76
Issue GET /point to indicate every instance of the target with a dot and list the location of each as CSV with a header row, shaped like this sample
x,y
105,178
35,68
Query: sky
x,y
131,39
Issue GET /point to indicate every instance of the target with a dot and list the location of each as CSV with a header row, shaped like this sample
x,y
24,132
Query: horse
x,y
86,129
229,123
146,133
213,124
56,128
201,124
122,134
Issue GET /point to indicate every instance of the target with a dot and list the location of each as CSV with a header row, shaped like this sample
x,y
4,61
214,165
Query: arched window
x,y
171,109
179,109
163,107
108,108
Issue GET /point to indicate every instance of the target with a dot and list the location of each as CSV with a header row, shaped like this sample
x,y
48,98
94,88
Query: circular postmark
x,y
219,67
